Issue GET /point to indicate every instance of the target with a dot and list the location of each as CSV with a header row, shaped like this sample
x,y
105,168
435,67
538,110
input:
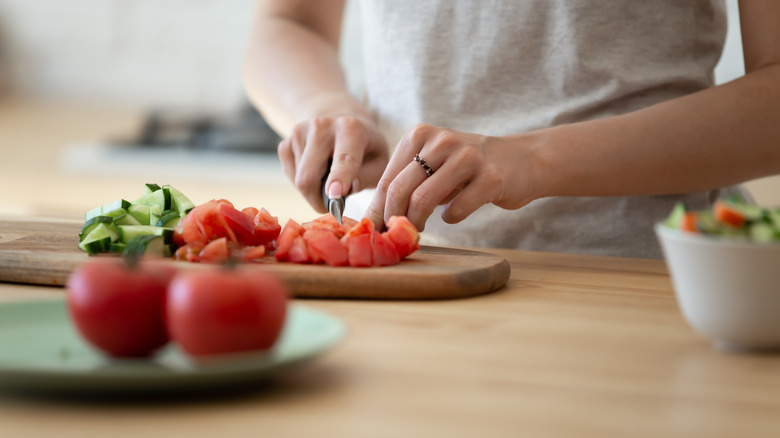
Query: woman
x,y
540,125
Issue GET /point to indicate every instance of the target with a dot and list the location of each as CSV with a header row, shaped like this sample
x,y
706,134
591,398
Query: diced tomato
x,y
251,253
365,226
327,223
324,246
728,214
215,251
298,252
189,252
239,223
204,223
384,252
251,212
181,253
347,224
189,230
689,221
403,234
267,227
178,236
285,241
360,251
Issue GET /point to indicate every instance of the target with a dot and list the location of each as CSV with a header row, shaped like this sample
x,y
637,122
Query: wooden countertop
x,y
573,346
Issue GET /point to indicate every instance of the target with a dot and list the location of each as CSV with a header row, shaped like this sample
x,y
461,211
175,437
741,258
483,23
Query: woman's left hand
x,y
460,170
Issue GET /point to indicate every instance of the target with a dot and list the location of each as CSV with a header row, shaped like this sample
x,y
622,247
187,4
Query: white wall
x,y
147,52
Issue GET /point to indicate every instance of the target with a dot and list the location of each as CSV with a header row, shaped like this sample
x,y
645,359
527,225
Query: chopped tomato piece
x,y
365,226
327,223
324,246
239,223
267,227
251,253
285,241
347,224
728,214
204,223
298,253
403,234
360,251
251,212
384,253
689,221
215,251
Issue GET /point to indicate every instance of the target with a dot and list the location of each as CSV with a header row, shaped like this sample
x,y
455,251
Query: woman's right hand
x,y
360,154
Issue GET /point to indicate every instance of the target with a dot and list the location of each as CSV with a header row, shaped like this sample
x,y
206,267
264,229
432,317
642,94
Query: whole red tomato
x,y
218,311
118,309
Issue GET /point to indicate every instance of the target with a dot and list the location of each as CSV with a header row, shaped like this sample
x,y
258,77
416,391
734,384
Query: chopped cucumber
x,y
160,199
110,227
149,188
96,246
128,232
169,219
119,203
92,224
676,216
180,203
126,219
101,232
147,245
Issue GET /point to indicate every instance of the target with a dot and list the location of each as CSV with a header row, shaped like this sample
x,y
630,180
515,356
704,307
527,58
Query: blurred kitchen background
x,y
98,97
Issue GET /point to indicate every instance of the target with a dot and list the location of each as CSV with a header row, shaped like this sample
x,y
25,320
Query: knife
x,y
334,205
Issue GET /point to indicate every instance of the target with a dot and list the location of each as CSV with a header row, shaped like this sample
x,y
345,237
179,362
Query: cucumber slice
x,y
128,232
101,232
676,216
117,247
179,202
111,206
97,246
160,199
763,232
115,213
149,188
145,245
144,214
126,219
169,219
92,224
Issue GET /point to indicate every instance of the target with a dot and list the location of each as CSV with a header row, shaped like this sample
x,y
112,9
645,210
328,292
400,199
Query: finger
x,y
350,142
313,161
445,184
411,143
287,158
479,192
400,190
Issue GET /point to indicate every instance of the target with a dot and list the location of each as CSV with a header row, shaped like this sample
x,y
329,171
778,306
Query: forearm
x,y
717,137
291,74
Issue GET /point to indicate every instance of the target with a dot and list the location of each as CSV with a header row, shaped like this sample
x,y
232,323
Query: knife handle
x,y
325,197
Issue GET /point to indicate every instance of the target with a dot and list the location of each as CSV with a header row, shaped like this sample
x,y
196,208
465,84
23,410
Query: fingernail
x,y
335,190
355,186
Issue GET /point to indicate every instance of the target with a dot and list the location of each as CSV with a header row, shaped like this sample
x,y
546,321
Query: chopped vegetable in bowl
x,y
729,218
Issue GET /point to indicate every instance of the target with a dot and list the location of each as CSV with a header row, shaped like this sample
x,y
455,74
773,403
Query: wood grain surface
x,y
46,252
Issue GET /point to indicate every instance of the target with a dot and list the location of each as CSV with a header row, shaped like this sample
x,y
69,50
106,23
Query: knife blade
x,y
334,205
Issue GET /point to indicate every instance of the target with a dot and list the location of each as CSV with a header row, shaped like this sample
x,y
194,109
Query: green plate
x,y
41,351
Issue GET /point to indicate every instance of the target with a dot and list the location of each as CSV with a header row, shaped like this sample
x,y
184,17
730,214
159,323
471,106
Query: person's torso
x,y
499,67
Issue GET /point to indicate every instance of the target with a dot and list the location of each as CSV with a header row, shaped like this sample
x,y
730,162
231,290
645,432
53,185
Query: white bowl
x,y
728,290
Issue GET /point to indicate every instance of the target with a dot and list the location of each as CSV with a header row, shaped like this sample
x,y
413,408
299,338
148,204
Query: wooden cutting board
x,y
46,252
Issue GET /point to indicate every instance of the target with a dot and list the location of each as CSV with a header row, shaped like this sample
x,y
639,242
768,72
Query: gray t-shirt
x,y
499,67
